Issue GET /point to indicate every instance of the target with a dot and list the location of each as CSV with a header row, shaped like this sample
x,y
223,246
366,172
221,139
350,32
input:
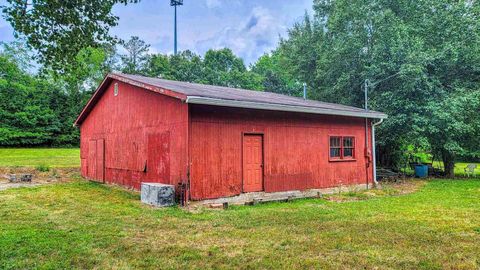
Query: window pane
x,y
334,152
348,152
348,142
334,141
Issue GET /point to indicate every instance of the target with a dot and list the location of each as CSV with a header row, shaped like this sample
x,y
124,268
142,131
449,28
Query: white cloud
x,y
213,3
256,35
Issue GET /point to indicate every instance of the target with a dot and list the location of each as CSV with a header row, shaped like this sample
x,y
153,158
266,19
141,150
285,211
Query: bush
x,y
43,168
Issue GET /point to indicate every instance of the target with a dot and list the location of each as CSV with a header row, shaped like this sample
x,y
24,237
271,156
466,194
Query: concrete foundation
x,y
256,197
159,195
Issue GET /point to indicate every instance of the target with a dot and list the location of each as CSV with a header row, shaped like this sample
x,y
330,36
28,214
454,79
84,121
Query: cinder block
x,y
159,195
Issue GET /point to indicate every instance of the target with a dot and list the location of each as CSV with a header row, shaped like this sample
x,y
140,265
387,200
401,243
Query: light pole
x,y
175,3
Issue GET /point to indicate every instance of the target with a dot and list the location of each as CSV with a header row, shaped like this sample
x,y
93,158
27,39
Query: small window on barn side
x,y
335,147
342,148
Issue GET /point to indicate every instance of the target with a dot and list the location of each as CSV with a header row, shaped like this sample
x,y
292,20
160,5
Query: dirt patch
x,y
53,175
404,186
396,188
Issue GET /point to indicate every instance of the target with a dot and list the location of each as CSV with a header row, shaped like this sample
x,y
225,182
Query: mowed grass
x,y
33,157
87,225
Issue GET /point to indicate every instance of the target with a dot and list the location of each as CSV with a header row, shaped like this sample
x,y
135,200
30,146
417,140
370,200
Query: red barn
x,y
220,142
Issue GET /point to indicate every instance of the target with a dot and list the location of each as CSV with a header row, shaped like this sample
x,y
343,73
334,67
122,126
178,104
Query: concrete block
x,y
26,177
159,195
12,178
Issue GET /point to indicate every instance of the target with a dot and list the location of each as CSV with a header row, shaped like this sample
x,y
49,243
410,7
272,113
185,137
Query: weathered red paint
x,y
145,135
296,150
149,136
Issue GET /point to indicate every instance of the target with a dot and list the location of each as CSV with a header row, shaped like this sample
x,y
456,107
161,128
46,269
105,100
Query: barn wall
x,y
296,150
144,133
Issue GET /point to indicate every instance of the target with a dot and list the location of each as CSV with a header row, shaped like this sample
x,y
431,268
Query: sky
x,y
249,27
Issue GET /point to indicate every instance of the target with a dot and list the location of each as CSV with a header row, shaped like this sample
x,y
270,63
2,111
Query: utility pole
x,y
366,131
305,91
366,93
175,3
374,158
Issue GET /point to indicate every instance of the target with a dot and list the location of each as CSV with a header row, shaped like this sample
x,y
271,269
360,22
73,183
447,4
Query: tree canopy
x,y
39,109
218,67
59,30
421,57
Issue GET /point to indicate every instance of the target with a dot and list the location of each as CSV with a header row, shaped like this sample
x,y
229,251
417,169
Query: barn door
x,y
91,160
96,160
100,161
252,163
158,159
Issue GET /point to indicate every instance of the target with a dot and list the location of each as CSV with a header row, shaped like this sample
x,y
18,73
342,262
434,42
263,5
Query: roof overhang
x,y
218,102
282,107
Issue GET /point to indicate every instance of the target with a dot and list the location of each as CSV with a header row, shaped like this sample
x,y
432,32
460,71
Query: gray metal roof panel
x,y
236,94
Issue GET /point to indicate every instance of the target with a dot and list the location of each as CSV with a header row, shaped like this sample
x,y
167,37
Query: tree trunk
x,y
448,163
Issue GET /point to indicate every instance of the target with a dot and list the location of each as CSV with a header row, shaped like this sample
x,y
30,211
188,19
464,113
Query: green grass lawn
x,y
33,157
87,225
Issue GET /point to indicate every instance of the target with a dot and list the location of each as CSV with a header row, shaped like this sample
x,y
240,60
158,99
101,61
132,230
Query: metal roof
x,y
231,97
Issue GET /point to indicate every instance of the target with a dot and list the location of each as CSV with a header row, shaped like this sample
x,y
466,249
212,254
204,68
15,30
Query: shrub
x,y
43,168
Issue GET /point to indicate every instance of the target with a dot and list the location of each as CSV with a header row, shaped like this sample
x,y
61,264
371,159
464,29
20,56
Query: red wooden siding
x,y
144,134
296,150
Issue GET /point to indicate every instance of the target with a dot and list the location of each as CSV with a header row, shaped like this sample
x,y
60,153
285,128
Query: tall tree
x,y
421,58
137,55
59,30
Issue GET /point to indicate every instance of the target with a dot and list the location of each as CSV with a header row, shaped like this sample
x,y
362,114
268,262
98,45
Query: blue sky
x,y
249,27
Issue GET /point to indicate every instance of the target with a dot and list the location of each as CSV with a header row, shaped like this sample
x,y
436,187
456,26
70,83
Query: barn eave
x,y
301,106
282,107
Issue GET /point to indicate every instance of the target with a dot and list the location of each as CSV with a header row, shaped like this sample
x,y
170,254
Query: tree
x,y
186,66
39,109
421,56
27,118
59,30
19,53
134,62
77,86
276,76
218,67
454,128
224,68
158,65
